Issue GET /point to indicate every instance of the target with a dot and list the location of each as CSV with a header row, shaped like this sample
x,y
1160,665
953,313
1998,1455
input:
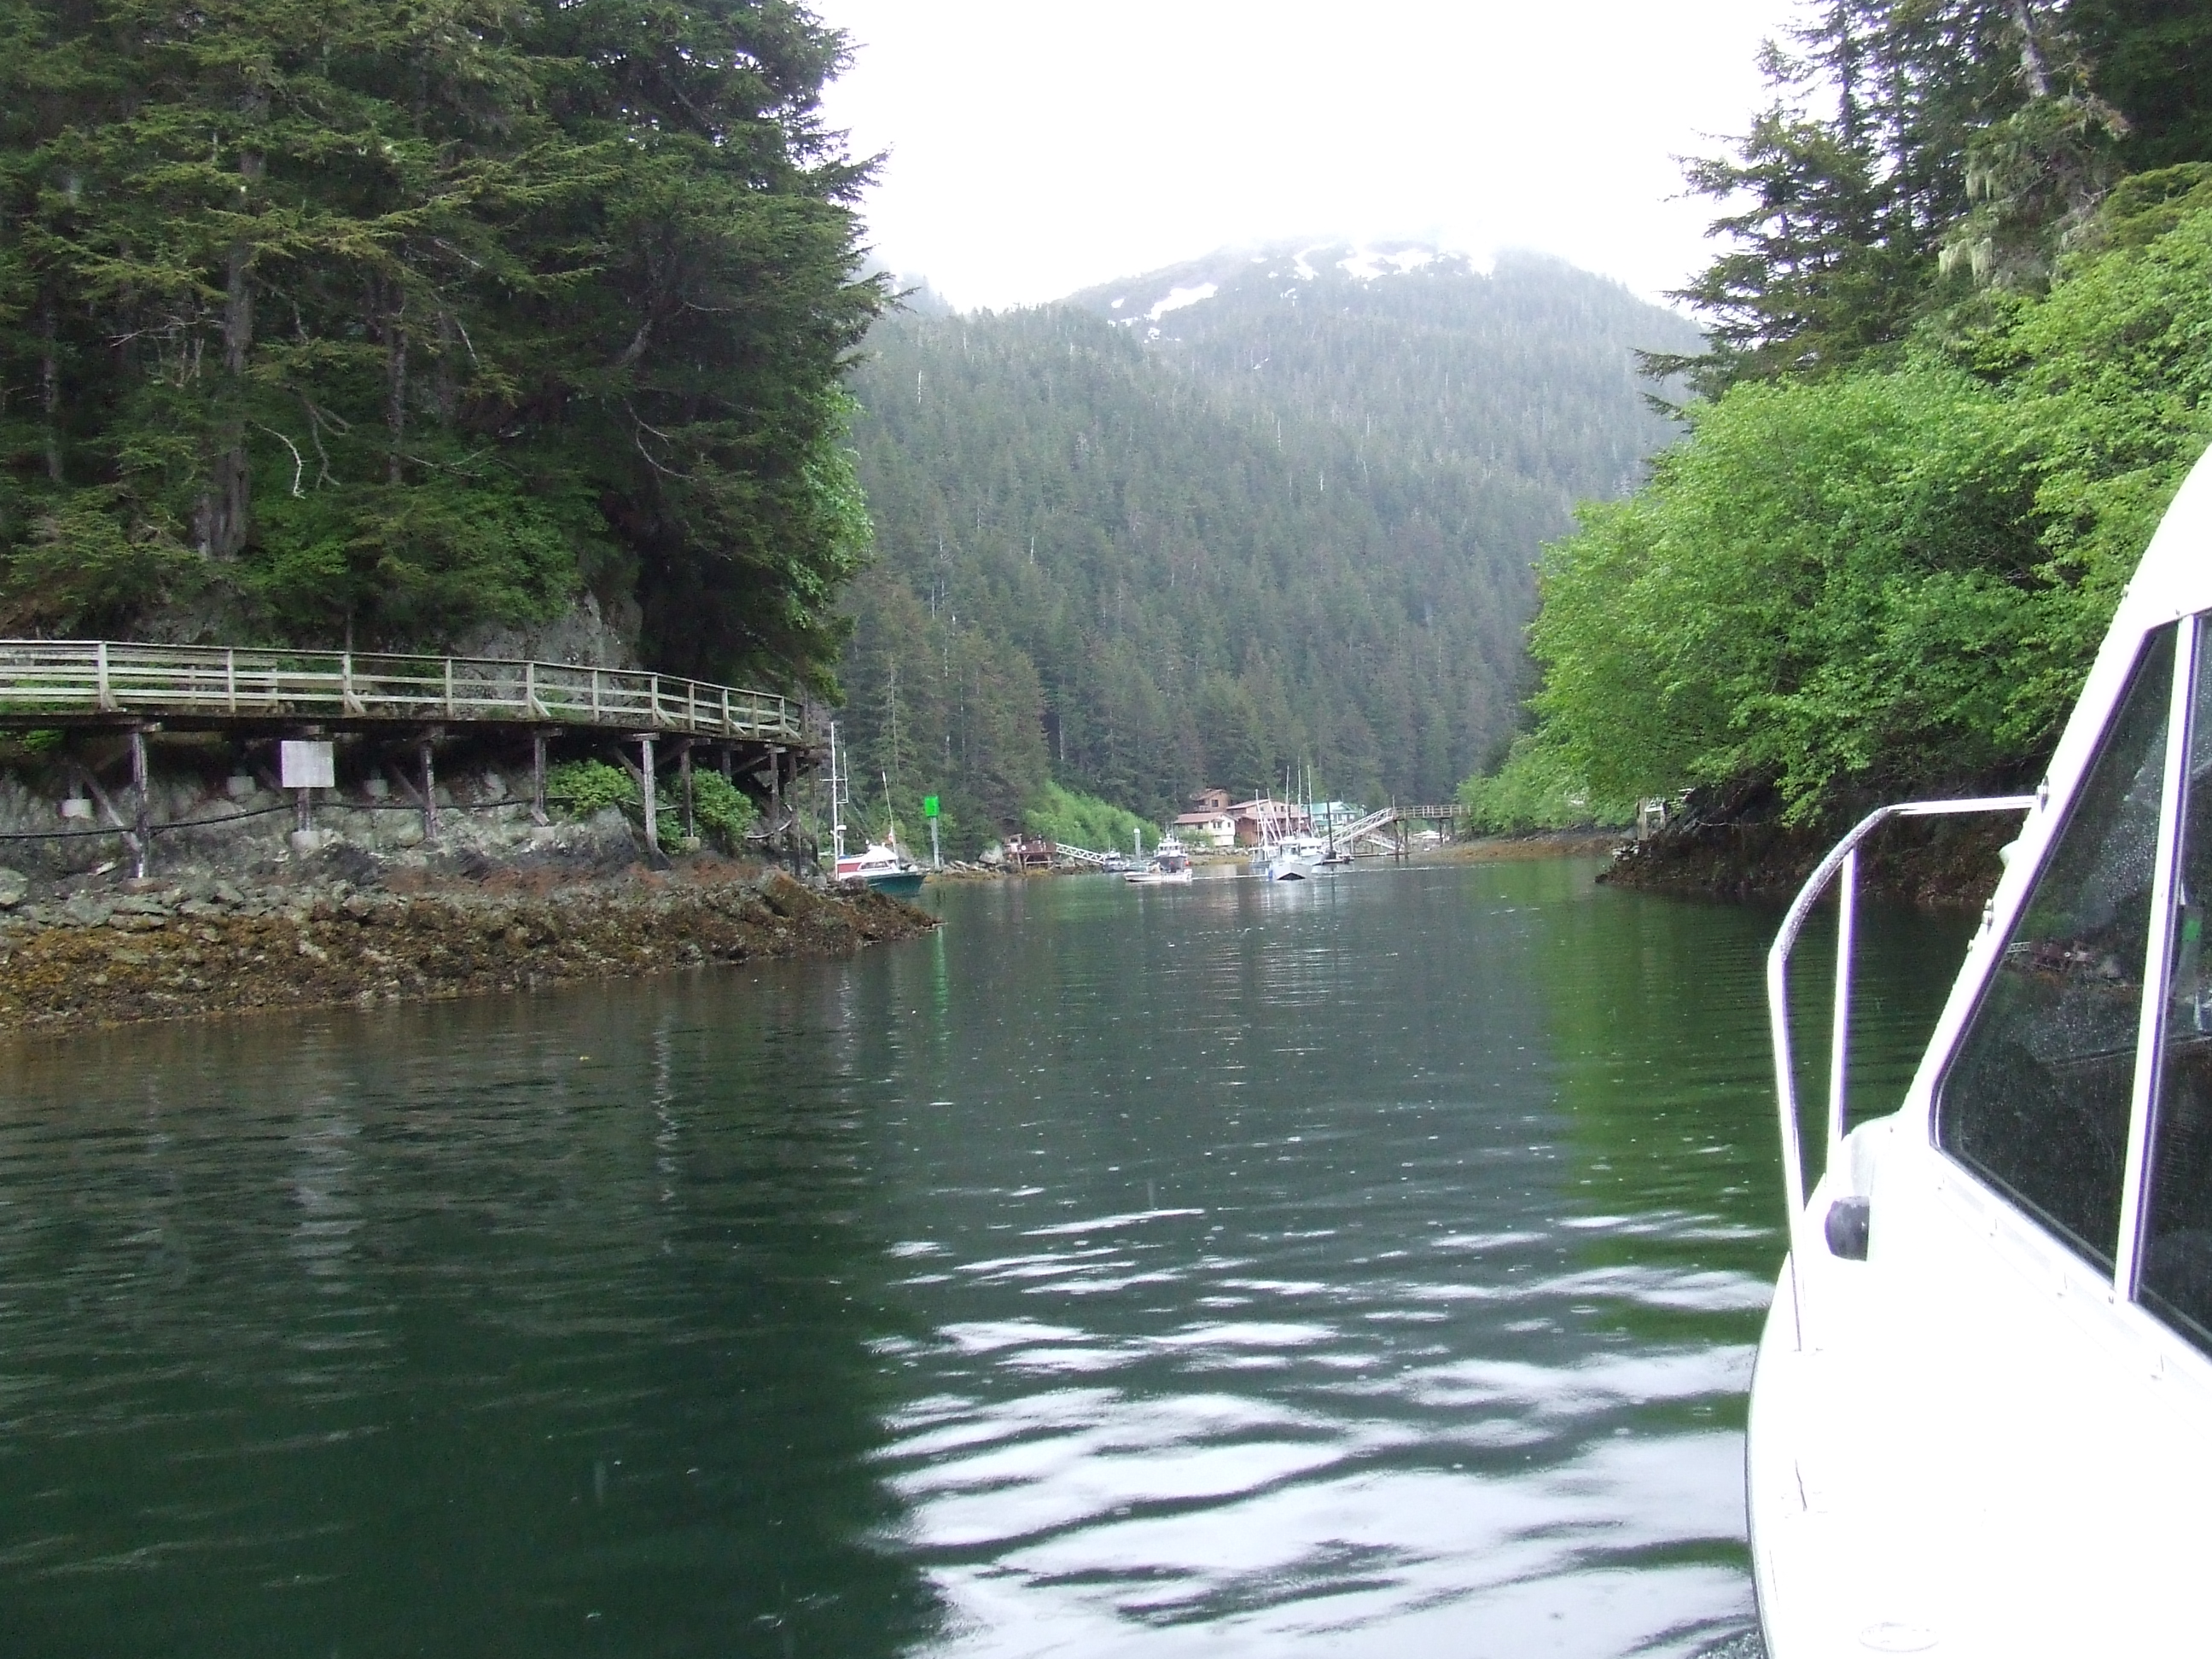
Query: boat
x,y
1981,1413
1170,864
1301,855
882,867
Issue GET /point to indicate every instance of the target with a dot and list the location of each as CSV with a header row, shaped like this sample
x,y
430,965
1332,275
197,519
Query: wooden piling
x,y
538,740
429,790
646,789
142,840
683,765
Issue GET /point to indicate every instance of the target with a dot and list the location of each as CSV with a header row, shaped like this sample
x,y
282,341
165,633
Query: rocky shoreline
x,y
205,945
1937,863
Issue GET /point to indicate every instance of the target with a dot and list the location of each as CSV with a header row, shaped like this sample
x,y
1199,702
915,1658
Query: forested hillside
x,y
1263,511
391,324
1962,357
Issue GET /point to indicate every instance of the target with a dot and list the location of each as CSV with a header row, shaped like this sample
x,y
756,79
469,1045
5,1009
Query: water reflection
x,y
1371,1265
508,1326
1309,1344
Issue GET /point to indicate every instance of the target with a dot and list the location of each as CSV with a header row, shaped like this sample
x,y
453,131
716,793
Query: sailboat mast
x,y
836,805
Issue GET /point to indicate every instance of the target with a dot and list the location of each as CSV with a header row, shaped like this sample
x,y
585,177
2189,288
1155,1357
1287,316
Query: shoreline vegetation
x,y
1957,364
207,946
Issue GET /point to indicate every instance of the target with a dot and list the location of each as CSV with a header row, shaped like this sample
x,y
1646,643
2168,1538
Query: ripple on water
x,y
1369,1269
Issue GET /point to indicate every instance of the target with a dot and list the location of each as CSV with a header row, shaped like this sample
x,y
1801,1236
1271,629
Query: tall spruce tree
x,y
1913,151
386,320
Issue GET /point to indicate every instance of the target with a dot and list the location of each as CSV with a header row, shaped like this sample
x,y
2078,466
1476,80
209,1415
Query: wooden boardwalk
x,y
52,683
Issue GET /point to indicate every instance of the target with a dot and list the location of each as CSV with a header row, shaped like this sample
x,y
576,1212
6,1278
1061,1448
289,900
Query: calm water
x,y
1372,1267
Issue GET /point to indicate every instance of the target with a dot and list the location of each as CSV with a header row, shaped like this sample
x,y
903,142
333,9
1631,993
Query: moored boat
x,y
1170,864
884,868
1297,857
1981,1419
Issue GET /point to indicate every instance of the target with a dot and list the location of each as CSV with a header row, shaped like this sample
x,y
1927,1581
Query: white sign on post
x,y
308,764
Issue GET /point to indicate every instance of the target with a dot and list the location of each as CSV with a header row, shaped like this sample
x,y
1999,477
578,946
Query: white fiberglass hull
x,y
1981,1418
1976,1451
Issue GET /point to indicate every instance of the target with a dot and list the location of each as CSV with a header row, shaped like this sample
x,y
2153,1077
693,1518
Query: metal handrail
x,y
63,677
1843,857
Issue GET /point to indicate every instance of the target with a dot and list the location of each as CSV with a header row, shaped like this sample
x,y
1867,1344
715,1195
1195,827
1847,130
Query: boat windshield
x,y
2176,1270
2037,1099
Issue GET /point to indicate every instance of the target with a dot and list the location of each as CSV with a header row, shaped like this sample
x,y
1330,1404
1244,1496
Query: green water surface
x,y
1371,1266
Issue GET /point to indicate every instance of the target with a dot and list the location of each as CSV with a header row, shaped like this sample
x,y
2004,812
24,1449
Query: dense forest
x,y
393,324
1960,357
1265,511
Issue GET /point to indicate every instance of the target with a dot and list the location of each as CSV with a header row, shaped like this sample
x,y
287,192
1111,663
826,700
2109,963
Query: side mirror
x,y
1848,1224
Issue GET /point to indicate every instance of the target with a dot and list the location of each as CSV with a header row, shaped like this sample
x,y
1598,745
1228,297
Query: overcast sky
x,y
1038,146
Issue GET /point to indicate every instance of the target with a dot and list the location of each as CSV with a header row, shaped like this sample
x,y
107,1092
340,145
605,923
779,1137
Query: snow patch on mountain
x,y
1179,297
1365,265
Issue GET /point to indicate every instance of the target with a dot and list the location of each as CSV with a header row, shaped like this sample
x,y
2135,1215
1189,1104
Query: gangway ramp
x,y
1371,829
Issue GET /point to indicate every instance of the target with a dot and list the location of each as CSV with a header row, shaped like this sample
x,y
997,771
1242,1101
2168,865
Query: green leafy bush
x,y
583,788
1082,820
720,808
1536,787
1886,581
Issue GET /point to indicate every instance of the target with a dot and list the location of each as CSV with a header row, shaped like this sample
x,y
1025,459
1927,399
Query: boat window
x,y
2175,1277
2037,1098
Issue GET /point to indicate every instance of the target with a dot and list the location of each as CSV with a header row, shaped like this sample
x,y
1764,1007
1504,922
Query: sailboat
x,y
881,867
1295,857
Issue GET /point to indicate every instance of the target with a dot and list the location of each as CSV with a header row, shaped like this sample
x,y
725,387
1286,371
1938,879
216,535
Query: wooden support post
x,y
537,778
143,840
645,789
427,751
683,764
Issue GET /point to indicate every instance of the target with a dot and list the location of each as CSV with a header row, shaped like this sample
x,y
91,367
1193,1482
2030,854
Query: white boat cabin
x,y
1981,1420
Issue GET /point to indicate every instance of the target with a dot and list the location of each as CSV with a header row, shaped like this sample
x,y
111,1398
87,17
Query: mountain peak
x,y
1401,277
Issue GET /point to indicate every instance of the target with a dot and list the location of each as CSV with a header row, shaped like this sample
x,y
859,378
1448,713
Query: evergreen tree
x,y
1164,570
383,321
2153,60
1913,151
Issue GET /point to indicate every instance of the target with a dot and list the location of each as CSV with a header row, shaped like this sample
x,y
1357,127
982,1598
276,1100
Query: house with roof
x,y
1262,819
1209,826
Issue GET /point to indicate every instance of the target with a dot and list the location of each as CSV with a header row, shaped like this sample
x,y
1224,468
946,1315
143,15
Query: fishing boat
x,y
881,865
1981,1416
1170,865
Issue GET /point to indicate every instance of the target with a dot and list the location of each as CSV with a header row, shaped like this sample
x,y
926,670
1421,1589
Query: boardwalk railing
x,y
80,678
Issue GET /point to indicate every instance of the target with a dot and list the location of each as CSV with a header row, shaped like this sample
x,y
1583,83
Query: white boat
x,y
882,867
1171,865
1297,857
1981,1420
